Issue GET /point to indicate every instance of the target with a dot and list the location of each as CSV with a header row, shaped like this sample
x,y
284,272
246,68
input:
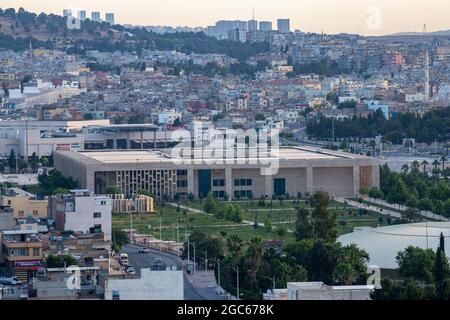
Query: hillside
x,y
51,31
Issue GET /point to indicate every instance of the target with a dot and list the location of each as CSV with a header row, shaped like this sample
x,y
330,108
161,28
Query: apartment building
x,y
24,204
82,211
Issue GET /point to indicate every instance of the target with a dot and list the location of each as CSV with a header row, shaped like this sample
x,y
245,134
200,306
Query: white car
x,y
143,250
131,270
11,281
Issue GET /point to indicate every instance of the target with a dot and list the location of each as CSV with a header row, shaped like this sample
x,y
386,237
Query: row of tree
x,y
229,211
415,189
426,275
433,125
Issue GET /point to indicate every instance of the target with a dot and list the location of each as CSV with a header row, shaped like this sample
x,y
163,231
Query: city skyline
x,y
369,17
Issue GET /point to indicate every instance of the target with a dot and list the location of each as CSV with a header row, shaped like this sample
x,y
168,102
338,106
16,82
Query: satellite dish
x,y
174,268
168,269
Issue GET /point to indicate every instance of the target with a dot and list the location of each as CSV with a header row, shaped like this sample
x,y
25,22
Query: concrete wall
x,y
83,218
323,292
153,285
334,180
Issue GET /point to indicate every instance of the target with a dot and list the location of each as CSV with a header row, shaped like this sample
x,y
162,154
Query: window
x,y
9,202
243,182
36,251
181,173
21,213
219,183
97,215
219,194
35,212
181,184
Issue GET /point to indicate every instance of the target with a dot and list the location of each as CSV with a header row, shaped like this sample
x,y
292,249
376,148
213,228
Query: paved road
x,y
142,261
368,207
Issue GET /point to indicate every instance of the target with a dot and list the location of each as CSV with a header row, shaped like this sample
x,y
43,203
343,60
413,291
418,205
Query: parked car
x,y
131,270
143,250
11,281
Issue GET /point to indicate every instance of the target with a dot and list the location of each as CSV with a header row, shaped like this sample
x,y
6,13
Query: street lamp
x,y
206,259
273,283
193,245
217,261
237,279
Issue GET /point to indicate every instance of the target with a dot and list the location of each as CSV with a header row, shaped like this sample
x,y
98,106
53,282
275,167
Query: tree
x,y
443,160
442,275
323,220
303,226
255,252
60,261
268,225
424,165
113,190
53,181
34,162
119,239
12,160
235,245
213,246
416,263
210,205
442,242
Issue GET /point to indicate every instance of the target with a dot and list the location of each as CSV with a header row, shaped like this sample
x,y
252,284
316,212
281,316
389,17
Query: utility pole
x,y
237,281
160,232
131,228
178,239
332,125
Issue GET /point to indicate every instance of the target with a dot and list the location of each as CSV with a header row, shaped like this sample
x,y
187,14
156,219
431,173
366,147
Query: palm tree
x,y
235,244
424,165
405,168
415,165
255,252
436,164
443,160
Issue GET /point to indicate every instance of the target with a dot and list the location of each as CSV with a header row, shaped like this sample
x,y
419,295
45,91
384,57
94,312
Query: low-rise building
x,y
22,253
24,204
321,291
82,211
152,285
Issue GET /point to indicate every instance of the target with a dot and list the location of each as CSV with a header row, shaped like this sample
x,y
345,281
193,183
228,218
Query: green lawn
x,y
347,220
150,224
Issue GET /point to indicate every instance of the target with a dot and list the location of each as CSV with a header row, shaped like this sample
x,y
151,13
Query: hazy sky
x,y
369,17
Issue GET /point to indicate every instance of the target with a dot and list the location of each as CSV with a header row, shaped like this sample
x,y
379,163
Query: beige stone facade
x,y
300,171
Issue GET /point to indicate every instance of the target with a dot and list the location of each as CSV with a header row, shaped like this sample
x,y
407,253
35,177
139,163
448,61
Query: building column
x,y
115,144
269,186
376,175
309,180
128,141
190,181
229,182
142,140
356,180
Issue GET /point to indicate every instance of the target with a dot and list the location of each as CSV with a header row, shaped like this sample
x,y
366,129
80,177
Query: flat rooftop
x,y
149,156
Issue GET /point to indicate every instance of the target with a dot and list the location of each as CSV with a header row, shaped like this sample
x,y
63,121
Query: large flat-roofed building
x,y
299,170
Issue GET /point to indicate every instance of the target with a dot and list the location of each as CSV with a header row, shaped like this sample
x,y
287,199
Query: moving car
x,y
143,250
131,270
11,281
